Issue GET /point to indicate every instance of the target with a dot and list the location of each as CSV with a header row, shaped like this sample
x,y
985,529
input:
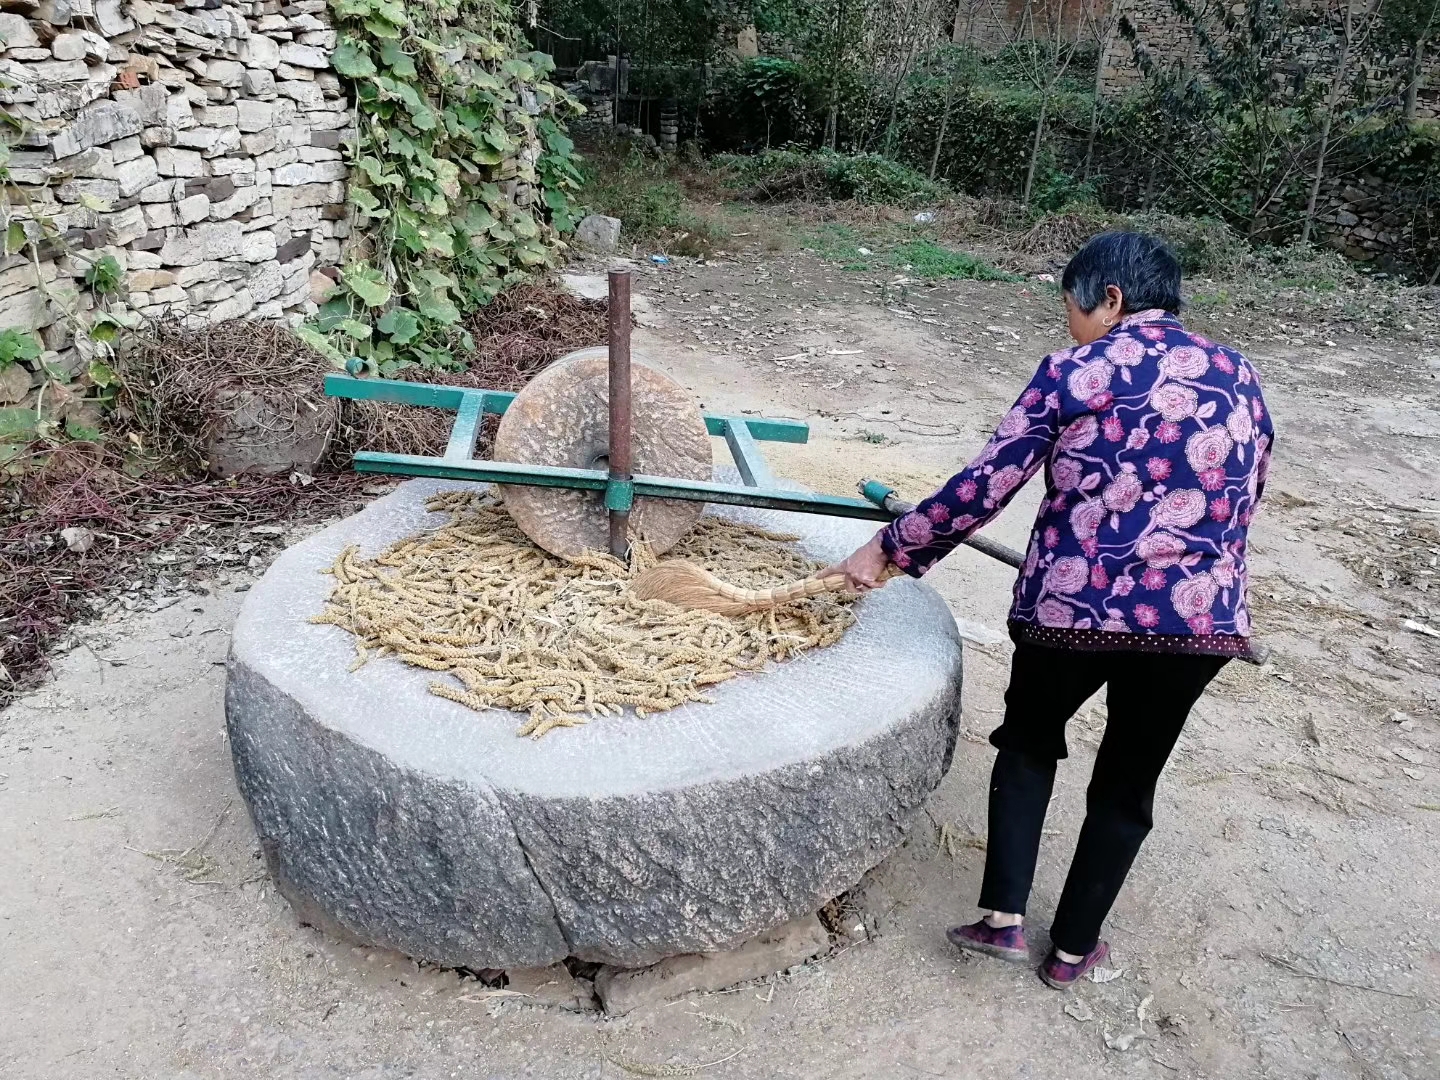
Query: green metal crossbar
x,y
741,434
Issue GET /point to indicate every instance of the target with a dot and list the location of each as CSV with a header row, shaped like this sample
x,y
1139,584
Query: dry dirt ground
x,y
1281,922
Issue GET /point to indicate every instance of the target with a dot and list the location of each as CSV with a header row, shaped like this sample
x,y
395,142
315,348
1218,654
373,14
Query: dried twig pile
x,y
45,586
180,381
517,628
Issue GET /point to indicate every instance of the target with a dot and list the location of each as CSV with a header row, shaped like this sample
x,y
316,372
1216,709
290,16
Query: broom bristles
x,y
692,587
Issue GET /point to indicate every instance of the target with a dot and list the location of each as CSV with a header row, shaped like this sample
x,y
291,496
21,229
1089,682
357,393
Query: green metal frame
x,y
741,434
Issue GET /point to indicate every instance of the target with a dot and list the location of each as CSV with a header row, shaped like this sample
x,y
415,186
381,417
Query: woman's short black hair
x,y
1142,267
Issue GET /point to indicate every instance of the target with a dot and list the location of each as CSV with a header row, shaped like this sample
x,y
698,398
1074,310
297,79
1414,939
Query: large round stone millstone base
x,y
409,821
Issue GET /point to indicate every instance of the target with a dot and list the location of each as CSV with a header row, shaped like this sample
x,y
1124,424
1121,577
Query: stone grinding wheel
x,y
561,418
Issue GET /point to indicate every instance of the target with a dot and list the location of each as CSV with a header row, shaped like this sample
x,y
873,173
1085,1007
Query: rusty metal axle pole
x,y
619,495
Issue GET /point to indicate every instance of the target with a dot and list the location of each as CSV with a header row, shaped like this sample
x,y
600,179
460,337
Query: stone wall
x,y
196,142
1367,219
1165,35
1171,42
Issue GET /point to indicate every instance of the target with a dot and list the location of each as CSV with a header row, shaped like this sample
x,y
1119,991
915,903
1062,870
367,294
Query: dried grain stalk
x,y
513,627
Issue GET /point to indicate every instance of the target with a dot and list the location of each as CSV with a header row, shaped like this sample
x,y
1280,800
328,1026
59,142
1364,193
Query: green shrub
x,y
922,258
1056,190
760,103
1204,246
779,175
644,192
17,345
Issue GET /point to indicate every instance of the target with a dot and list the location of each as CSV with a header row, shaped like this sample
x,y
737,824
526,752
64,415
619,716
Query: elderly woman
x,y
1155,444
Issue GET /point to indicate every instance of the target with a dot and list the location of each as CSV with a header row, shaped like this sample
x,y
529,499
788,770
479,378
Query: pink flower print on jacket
x,y
1185,362
1194,595
1051,612
1223,571
1158,443
1208,449
1240,424
1086,517
1122,493
1080,434
1066,474
1090,380
1179,509
1002,483
915,528
1016,422
1125,351
1068,575
1161,550
1174,402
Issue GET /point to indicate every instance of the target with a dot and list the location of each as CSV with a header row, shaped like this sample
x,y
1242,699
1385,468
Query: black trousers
x,y
1149,697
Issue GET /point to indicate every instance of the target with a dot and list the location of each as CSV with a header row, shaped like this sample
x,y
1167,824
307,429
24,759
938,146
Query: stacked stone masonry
x,y
1166,35
1170,41
196,142
1365,217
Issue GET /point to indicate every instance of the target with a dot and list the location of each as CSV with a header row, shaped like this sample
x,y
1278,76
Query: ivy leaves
x,y
366,283
449,108
351,59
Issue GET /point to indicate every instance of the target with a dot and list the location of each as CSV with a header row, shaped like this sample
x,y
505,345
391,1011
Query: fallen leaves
x,y
1078,1010
78,539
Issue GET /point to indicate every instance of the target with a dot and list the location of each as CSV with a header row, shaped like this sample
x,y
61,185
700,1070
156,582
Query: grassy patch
x,y
840,243
929,260
648,196
921,258
823,175
1210,301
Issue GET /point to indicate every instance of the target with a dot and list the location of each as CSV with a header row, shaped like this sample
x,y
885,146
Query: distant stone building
x,y
1167,37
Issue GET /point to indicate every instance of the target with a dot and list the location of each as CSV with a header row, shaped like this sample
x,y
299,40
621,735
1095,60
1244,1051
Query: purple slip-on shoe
x,y
1057,973
1001,942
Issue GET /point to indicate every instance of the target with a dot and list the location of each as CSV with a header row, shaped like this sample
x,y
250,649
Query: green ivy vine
x,y
66,404
453,118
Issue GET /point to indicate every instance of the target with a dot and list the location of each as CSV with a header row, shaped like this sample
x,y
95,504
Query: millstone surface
x,y
562,418
405,820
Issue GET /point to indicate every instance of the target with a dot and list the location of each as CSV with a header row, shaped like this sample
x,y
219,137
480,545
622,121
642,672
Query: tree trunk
x,y
1332,102
1095,104
1417,64
832,112
1319,176
944,121
1035,150
895,97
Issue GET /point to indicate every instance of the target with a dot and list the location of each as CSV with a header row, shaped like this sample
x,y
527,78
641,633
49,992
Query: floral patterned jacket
x,y
1155,444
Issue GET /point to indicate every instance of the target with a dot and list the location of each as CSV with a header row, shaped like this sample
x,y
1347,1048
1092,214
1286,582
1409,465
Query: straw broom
x,y
689,586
